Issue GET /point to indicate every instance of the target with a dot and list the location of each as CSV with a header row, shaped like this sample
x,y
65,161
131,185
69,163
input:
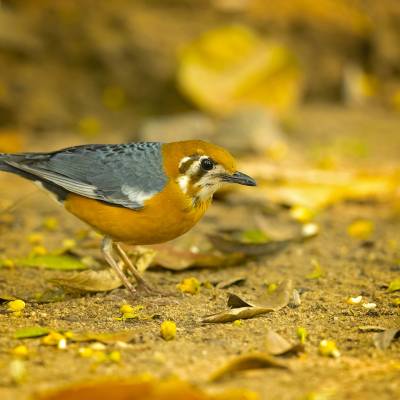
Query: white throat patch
x,y
183,182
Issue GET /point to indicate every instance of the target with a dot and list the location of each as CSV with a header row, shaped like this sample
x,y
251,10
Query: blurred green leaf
x,y
394,285
60,262
317,272
31,332
254,236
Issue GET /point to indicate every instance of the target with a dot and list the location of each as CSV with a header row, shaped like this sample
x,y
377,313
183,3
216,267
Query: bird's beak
x,y
240,178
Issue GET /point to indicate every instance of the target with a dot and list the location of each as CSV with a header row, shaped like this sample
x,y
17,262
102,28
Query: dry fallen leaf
x,y
382,340
242,309
360,229
230,282
371,328
228,245
274,301
277,345
246,362
175,259
89,281
234,314
142,257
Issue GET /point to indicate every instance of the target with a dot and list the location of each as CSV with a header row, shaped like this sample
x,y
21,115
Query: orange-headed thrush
x,y
136,193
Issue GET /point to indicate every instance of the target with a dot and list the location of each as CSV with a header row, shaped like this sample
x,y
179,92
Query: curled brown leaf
x,y
246,362
277,345
228,245
243,309
382,340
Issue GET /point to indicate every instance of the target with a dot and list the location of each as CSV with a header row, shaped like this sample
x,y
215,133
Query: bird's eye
x,y
207,164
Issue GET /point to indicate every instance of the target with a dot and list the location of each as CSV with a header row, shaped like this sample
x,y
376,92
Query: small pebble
x,y
115,356
21,351
98,346
369,306
309,230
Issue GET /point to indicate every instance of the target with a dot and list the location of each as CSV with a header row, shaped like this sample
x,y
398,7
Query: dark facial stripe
x,y
186,165
198,175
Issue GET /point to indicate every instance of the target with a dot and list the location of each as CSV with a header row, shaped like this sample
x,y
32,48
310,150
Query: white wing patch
x,y
136,195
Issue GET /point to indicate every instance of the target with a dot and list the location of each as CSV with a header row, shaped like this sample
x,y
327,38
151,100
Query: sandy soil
x,y
352,267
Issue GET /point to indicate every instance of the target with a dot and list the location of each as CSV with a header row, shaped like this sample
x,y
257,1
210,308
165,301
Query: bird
x,y
136,193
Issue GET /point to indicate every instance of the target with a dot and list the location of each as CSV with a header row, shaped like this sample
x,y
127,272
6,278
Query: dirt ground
x,y
351,267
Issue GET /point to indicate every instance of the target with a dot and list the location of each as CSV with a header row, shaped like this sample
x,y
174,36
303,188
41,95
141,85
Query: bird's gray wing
x,y
124,174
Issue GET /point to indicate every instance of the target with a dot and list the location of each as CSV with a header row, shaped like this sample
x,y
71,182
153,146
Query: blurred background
x,y
237,72
305,94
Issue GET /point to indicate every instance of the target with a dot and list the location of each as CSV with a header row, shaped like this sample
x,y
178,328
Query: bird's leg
x,y
142,284
107,250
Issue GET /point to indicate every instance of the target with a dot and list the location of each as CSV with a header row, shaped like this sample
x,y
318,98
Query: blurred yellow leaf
x,y
89,126
168,330
360,229
327,348
230,67
189,285
316,189
302,214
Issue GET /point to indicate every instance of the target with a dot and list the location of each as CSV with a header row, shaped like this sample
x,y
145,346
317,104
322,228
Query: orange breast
x,y
164,217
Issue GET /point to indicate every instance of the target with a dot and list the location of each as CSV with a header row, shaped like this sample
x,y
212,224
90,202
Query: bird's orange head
x,y
200,168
